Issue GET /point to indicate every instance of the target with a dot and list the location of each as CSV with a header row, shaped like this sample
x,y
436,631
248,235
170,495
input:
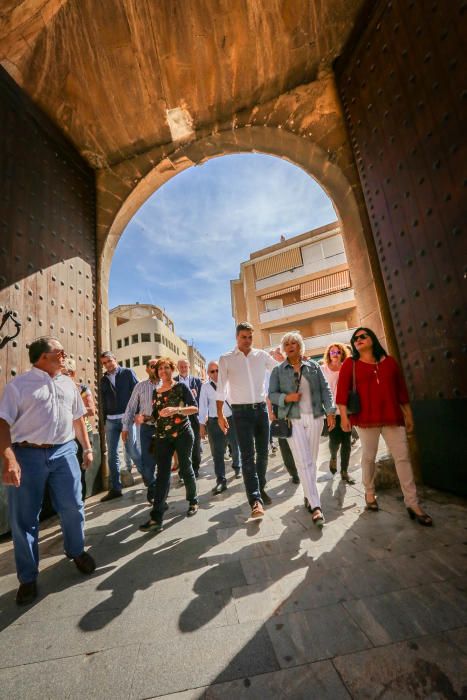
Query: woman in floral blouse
x,y
173,402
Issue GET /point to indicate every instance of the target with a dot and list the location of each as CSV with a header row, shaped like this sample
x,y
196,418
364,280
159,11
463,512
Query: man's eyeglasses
x,y
58,353
213,371
152,366
362,336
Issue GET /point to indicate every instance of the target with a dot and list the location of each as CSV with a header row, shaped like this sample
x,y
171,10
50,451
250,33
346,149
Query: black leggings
x,y
339,438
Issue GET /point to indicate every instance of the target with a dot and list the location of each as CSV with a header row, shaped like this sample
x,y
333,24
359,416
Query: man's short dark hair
x,y
244,326
39,346
107,353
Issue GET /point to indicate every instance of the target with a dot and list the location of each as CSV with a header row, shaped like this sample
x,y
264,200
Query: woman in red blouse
x,y
384,410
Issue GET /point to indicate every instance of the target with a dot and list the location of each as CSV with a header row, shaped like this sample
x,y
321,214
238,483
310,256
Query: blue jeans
x,y
148,458
217,442
113,430
252,427
59,466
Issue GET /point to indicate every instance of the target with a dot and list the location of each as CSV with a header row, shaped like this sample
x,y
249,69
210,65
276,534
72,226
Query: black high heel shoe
x,y
423,519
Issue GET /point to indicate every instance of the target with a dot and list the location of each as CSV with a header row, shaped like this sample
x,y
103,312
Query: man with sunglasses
x,y
41,412
139,411
217,438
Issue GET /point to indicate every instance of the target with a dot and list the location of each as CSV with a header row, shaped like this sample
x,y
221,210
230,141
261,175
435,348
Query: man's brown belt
x,y
45,446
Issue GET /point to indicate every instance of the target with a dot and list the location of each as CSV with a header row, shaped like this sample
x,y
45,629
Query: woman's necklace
x,y
296,363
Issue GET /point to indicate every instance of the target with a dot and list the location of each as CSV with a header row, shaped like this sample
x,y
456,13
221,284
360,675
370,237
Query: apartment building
x,y
141,331
301,283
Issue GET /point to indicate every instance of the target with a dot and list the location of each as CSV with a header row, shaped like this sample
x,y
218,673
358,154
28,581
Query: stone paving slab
x,y
103,675
201,658
422,610
219,606
318,681
428,667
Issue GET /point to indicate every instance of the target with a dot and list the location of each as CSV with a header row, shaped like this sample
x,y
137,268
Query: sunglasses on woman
x,y
362,336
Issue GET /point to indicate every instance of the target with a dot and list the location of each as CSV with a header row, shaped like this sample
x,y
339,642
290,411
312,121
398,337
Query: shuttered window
x,y
281,292
287,260
325,285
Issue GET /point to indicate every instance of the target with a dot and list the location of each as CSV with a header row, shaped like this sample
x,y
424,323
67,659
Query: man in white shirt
x,y
217,439
242,373
139,411
41,411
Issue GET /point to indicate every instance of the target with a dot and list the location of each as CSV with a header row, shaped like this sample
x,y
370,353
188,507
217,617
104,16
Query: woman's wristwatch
x,y
89,450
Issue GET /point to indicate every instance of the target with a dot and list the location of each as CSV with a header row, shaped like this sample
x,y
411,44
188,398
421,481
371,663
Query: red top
x,y
381,388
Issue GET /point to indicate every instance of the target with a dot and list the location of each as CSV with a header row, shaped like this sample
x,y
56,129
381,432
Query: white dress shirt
x,y
40,408
242,377
140,402
207,404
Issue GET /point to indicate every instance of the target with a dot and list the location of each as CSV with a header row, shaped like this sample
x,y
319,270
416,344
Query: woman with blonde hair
x,y
300,391
333,358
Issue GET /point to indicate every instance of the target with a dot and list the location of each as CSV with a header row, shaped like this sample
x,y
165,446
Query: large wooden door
x,y
401,84
47,240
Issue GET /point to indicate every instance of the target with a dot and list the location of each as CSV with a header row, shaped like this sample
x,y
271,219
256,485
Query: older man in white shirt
x,y
41,412
242,374
217,439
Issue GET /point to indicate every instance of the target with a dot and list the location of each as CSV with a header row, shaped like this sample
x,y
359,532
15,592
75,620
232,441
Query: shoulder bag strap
x,y
354,381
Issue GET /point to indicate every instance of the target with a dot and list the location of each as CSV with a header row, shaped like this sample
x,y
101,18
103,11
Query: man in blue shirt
x,y
116,385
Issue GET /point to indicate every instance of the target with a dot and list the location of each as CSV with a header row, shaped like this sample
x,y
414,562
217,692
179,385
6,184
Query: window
x,y
119,344
272,304
146,359
145,337
126,341
120,363
135,338
127,363
136,362
157,337
333,246
339,326
275,339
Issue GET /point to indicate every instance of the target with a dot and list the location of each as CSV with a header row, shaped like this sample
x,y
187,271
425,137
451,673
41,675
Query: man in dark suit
x,y
116,386
194,385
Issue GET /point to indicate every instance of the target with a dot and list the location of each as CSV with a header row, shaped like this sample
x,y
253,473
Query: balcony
x,y
318,342
286,313
307,269
321,341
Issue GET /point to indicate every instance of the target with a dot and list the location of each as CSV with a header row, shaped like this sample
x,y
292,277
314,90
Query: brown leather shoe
x,y
26,593
85,563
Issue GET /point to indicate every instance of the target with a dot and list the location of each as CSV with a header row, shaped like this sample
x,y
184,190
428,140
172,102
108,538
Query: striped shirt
x,y
140,402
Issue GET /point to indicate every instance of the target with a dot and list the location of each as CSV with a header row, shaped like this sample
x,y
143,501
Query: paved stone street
x,y
218,606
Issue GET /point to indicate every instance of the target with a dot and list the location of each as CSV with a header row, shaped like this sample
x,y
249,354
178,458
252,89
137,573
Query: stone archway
x,y
309,156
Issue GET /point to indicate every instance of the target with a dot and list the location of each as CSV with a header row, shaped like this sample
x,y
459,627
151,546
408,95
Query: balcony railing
x,y
320,341
316,342
302,307
307,269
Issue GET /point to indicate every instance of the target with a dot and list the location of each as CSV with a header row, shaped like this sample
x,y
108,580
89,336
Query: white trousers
x,y
395,438
304,443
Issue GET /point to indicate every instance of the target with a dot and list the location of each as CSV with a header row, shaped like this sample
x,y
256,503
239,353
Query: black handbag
x,y
353,400
281,428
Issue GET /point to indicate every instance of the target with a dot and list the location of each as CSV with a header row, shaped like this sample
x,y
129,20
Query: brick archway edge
x,y
275,141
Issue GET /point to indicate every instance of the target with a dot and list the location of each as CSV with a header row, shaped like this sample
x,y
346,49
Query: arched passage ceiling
x,y
108,72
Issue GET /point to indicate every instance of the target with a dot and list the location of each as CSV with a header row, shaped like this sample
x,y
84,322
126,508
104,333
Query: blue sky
x,y
187,241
